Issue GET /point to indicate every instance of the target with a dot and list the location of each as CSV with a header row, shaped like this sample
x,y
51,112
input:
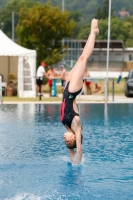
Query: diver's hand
x,y
75,157
78,156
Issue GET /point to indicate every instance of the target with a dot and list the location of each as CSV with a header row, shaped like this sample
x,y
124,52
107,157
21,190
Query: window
x,y
130,57
117,54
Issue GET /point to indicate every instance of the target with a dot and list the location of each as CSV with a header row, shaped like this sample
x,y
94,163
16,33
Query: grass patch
x,y
118,87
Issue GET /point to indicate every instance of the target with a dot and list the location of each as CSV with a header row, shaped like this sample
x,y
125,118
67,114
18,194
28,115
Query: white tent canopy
x,y
26,65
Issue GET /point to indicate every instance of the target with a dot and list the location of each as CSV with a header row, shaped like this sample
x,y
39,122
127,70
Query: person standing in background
x,y
39,78
51,73
87,83
63,76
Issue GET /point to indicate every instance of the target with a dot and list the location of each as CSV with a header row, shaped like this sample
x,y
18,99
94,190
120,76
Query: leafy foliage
x,y
102,11
43,27
87,8
6,13
120,30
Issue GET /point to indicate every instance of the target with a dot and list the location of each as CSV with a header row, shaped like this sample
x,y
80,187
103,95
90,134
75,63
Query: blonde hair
x,y
72,145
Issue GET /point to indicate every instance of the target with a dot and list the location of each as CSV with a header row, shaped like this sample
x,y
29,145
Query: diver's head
x,y
70,140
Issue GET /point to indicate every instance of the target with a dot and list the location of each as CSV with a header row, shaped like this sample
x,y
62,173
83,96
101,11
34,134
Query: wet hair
x,y
72,145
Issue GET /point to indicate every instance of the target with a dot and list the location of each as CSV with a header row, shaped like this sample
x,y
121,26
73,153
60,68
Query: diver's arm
x,y
78,154
75,158
71,154
76,126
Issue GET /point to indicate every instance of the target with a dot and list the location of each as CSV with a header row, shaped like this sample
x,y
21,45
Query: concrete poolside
x,y
94,98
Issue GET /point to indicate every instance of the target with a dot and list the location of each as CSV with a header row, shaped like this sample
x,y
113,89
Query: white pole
x,y
107,65
2,26
63,5
63,8
13,26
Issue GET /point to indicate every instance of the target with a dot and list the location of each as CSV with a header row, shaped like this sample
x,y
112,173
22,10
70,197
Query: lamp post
x,y
13,24
63,8
107,64
2,26
63,5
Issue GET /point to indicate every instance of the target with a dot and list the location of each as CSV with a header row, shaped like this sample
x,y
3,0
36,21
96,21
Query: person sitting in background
x,y
39,78
98,88
63,76
51,73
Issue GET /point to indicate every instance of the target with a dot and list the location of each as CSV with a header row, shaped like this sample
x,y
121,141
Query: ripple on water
x,y
35,163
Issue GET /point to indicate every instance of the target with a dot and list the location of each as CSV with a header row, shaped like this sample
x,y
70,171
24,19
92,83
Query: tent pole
x,y
8,68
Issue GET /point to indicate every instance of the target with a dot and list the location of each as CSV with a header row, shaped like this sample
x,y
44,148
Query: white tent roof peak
x,y
10,48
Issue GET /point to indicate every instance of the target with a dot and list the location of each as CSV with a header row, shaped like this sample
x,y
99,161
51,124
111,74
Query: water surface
x,y
34,162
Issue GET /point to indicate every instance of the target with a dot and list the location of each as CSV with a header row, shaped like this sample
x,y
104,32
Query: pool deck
x,y
94,98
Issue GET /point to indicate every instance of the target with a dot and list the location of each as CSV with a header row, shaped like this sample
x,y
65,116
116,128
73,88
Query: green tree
x,y
84,31
128,29
2,3
87,7
76,16
43,27
119,30
102,11
6,13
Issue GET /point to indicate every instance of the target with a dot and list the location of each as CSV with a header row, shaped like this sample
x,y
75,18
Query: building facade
x,y
120,58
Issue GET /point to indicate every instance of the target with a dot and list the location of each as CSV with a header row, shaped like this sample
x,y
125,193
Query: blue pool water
x,y
34,162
